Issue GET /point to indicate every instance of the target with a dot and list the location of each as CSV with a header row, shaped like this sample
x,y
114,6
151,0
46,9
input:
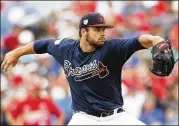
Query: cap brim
x,y
101,25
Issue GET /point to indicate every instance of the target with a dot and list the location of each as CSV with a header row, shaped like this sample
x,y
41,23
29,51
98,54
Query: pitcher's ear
x,y
83,31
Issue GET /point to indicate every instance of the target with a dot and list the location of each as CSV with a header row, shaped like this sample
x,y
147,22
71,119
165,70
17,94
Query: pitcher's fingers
x,y
10,67
7,66
3,64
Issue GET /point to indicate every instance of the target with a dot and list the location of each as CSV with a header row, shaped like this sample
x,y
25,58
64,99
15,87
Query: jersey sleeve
x,y
51,46
126,47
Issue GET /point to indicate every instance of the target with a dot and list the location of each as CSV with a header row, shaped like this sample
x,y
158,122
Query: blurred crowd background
x,y
151,99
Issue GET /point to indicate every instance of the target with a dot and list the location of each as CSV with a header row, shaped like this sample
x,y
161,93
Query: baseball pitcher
x,y
93,68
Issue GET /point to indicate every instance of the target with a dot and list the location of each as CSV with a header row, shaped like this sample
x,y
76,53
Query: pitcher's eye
x,y
97,29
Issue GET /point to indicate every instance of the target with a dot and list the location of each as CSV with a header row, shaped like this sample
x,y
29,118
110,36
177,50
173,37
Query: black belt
x,y
104,114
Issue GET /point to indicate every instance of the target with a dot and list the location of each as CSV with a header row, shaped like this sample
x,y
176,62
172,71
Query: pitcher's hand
x,y
10,60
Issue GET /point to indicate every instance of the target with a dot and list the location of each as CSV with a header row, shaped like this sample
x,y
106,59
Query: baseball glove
x,y
163,59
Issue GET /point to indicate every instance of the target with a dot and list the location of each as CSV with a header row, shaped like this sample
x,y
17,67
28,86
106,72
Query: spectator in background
x,y
83,7
173,36
156,27
171,105
160,8
159,86
35,109
11,41
131,7
4,99
134,96
14,12
62,99
151,115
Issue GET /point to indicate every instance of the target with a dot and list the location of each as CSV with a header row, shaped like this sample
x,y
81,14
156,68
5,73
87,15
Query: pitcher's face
x,y
95,36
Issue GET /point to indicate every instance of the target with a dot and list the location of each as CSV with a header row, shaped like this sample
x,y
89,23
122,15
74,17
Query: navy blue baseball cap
x,y
93,19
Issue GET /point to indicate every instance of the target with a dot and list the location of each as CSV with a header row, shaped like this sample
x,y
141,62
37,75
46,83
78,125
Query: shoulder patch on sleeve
x,y
58,41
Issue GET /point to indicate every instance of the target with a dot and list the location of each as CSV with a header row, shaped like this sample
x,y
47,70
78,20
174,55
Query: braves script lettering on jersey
x,y
87,71
94,78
